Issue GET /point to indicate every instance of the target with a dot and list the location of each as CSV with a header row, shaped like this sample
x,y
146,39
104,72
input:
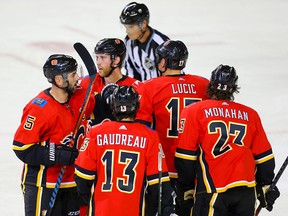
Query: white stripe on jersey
x,y
140,60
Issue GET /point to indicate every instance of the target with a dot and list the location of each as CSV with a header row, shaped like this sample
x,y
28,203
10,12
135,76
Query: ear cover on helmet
x,y
175,54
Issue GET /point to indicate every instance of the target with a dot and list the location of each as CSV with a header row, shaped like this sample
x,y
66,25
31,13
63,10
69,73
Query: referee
x,y
141,42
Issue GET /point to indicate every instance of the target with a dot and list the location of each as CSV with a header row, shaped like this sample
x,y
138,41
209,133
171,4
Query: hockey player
x,y
110,54
120,155
223,143
43,137
141,42
163,98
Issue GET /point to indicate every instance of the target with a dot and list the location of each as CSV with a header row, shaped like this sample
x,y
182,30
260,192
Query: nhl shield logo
x,y
149,63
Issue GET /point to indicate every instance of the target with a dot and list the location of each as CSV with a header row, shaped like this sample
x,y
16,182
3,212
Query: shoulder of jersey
x,y
199,104
83,82
101,127
146,128
154,80
250,109
38,101
165,37
131,81
41,100
198,76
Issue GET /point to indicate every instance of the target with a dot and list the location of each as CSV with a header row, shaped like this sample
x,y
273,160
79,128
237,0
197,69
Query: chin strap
x,y
111,70
111,65
141,35
142,32
163,71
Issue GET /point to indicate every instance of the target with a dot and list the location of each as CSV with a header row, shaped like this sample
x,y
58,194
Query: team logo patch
x,y
40,102
54,62
67,139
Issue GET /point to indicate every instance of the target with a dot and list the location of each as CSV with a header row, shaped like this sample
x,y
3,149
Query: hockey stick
x,y
277,177
91,68
160,156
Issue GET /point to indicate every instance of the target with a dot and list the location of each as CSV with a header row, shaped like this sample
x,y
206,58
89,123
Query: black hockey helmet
x,y
125,102
112,46
224,77
58,64
174,52
134,13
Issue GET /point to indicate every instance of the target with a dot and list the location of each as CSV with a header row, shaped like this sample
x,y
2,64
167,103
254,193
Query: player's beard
x,y
70,89
107,72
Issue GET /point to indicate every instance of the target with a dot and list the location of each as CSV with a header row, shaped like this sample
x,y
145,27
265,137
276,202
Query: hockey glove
x,y
60,154
267,197
185,200
107,92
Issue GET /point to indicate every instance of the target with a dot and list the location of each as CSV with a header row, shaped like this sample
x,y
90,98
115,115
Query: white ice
x,y
250,35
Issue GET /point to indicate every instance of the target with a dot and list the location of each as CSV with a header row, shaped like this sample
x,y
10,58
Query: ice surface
x,y
252,36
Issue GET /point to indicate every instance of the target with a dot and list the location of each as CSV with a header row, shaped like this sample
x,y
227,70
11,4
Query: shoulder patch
x,y
39,101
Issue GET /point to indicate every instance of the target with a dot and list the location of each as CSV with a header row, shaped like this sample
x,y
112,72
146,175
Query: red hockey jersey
x,y
46,120
101,111
162,100
125,80
120,155
226,140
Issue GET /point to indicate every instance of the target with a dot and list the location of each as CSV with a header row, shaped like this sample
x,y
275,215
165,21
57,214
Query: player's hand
x,y
267,197
271,196
185,200
60,154
187,203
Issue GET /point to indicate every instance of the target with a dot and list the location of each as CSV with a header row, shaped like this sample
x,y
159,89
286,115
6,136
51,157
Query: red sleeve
x,y
260,141
146,102
34,124
152,156
189,129
87,154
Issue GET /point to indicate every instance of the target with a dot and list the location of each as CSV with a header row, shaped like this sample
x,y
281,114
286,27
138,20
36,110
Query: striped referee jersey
x,y
140,57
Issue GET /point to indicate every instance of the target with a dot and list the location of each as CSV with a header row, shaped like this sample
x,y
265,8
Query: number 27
x,y
224,131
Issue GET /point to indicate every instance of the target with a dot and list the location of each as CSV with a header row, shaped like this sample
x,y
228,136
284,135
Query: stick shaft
x,y
160,156
89,63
